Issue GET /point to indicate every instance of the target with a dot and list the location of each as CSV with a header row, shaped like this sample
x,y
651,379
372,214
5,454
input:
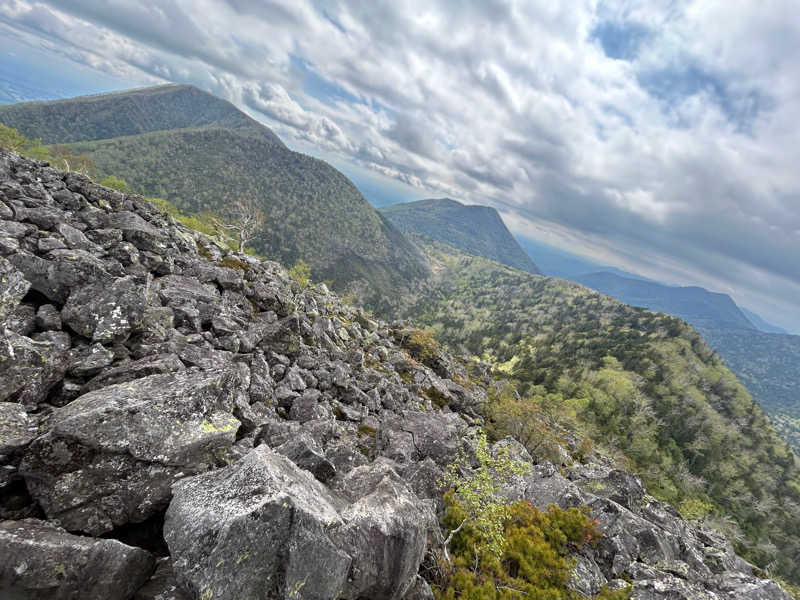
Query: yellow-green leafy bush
x,y
535,562
301,273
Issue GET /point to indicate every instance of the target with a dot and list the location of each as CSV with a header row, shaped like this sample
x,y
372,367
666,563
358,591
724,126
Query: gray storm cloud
x,y
660,133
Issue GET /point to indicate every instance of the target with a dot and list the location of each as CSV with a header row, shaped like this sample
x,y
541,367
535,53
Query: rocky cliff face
x,y
181,422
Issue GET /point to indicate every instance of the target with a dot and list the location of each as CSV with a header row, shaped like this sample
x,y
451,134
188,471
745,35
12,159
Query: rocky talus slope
x,y
180,422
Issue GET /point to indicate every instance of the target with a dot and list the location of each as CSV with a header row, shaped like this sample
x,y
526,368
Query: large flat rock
x,y
111,455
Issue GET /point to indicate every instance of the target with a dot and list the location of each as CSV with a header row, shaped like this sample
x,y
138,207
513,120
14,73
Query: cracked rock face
x,y
259,439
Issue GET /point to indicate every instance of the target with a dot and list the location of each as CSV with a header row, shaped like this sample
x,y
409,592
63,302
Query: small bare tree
x,y
243,221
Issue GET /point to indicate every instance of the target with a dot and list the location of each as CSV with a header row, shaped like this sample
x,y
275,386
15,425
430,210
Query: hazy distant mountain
x,y
761,324
693,304
477,230
200,152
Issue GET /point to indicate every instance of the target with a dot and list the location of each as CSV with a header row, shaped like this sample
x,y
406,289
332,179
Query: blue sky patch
x,y
620,40
673,85
319,87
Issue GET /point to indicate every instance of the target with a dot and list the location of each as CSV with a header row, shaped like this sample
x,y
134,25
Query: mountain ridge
x,y
475,229
124,113
560,340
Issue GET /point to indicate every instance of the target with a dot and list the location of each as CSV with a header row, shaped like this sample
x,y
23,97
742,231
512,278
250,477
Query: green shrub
x,y
301,273
13,140
115,183
535,561
479,492
694,509
233,263
422,346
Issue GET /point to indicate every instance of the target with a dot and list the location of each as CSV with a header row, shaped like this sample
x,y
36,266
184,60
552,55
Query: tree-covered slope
x,y
767,363
477,230
642,383
314,213
201,153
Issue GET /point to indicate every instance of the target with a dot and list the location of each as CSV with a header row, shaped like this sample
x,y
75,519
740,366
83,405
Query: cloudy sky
x,y
660,136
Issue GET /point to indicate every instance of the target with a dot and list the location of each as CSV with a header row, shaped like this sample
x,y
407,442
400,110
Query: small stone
x,y
48,318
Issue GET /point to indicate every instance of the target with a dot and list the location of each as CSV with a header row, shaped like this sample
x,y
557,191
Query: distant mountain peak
x,y
474,229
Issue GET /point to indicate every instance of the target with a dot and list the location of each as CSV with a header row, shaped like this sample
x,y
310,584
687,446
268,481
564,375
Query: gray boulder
x,y
13,287
264,528
260,529
103,312
29,369
43,562
158,364
302,451
61,272
385,533
162,585
17,428
111,455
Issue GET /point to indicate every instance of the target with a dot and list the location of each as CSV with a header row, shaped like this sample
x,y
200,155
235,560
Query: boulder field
x,y
178,421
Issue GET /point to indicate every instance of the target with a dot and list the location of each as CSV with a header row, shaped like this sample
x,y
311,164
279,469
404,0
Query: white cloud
x,y
681,152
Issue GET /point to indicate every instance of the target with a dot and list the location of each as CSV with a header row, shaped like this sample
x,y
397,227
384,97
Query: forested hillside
x,y
766,363
640,383
200,153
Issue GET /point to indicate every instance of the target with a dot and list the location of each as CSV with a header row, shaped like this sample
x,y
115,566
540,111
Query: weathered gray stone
x,y
17,428
28,369
162,585
385,533
159,364
136,230
21,320
73,237
419,590
435,435
43,562
87,361
302,451
307,407
260,529
61,273
105,312
48,318
13,287
48,243
111,455
262,386
177,290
